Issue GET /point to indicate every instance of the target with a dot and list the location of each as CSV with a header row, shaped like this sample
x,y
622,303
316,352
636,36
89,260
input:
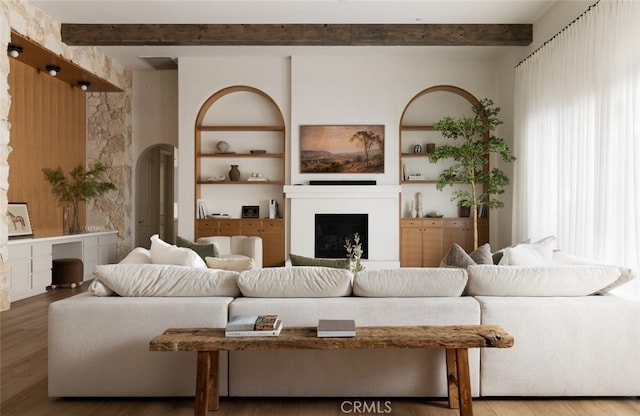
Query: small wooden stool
x,y
67,272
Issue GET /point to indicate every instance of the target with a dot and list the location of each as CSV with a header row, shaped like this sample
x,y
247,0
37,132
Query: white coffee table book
x,y
336,328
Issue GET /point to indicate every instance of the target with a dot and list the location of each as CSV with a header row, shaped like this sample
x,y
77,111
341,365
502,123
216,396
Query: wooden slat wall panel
x,y
48,129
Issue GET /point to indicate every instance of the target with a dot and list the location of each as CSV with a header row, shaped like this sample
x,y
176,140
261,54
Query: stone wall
x,y
108,125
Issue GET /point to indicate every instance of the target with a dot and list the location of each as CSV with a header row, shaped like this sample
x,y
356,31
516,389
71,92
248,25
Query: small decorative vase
x,y
234,173
414,211
417,148
222,146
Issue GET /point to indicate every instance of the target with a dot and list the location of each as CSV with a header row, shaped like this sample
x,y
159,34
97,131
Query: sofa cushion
x,y
492,280
410,282
166,280
237,264
311,261
138,255
295,282
529,254
165,253
563,258
202,249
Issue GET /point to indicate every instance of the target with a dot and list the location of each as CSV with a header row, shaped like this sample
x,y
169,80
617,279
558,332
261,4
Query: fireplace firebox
x,y
331,231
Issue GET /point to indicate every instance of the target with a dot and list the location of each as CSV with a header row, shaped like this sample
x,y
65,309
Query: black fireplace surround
x,y
331,231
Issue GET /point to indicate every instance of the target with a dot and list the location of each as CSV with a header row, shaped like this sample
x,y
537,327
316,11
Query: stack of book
x,y
336,328
253,326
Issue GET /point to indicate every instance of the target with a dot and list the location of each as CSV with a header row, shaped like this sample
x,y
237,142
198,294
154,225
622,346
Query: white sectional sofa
x,y
574,343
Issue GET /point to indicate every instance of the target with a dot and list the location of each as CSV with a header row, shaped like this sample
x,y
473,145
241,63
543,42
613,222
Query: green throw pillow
x,y
311,261
203,250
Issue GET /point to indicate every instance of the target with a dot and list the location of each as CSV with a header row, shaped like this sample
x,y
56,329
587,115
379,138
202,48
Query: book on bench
x,y
336,328
253,326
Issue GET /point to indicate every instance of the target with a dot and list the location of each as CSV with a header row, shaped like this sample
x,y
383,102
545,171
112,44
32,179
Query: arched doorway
x,y
155,194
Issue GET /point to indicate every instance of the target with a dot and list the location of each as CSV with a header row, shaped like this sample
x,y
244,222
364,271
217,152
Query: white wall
x,y
325,86
154,114
154,109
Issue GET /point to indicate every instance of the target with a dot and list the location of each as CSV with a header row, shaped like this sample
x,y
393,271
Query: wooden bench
x,y
208,342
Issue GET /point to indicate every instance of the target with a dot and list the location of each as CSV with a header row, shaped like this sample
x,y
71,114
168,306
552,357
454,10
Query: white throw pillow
x,y
165,253
97,288
235,264
138,255
410,282
562,258
533,254
296,282
145,280
492,280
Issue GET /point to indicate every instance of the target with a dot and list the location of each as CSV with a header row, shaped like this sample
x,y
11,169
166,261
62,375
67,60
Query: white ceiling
x,y
289,11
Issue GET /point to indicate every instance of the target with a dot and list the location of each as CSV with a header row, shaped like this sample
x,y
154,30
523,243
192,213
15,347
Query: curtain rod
x,y
557,34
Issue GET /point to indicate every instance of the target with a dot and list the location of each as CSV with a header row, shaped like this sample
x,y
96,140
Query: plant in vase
x,y
354,253
471,159
82,186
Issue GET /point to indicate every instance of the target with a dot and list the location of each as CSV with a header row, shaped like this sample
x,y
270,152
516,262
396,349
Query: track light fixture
x,y
14,50
53,70
84,85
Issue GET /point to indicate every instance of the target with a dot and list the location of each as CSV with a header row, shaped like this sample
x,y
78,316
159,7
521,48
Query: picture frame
x,y
250,211
19,220
342,148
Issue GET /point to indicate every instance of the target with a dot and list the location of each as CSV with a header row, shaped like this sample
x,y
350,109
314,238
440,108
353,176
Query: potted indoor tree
x,y
471,159
82,186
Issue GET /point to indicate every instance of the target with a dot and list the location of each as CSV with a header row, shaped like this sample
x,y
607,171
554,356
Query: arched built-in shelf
x,y
253,125
425,241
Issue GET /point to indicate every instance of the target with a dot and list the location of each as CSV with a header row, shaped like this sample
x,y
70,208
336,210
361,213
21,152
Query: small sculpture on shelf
x,y
222,146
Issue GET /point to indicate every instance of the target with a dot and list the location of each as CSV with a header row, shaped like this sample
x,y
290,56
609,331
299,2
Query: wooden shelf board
x,y
416,127
239,128
252,155
422,181
240,182
414,155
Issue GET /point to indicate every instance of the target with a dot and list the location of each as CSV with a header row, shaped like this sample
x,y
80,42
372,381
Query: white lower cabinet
x,y
30,259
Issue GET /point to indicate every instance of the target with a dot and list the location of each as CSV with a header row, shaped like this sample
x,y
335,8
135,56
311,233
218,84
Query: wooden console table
x,y
208,342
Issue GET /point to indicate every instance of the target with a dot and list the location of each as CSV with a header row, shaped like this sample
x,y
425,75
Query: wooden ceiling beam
x,y
298,34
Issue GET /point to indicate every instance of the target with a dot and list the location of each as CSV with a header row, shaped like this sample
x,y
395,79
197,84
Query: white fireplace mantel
x,y
380,202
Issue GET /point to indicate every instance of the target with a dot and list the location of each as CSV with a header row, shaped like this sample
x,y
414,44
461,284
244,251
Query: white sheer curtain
x,y
577,137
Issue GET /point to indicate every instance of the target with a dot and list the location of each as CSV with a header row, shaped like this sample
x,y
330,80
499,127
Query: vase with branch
x,y
354,253
471,159
81,186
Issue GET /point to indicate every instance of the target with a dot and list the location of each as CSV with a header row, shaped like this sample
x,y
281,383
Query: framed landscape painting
x,y
19,222
342,149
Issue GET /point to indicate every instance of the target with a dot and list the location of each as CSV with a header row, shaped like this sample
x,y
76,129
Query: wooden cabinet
x,y
425,241
270,230
212,227
272,233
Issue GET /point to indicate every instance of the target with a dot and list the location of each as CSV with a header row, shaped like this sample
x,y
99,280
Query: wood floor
x,y
24,387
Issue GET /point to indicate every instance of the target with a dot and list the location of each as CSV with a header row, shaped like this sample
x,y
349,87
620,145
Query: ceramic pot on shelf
x,y
234,173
